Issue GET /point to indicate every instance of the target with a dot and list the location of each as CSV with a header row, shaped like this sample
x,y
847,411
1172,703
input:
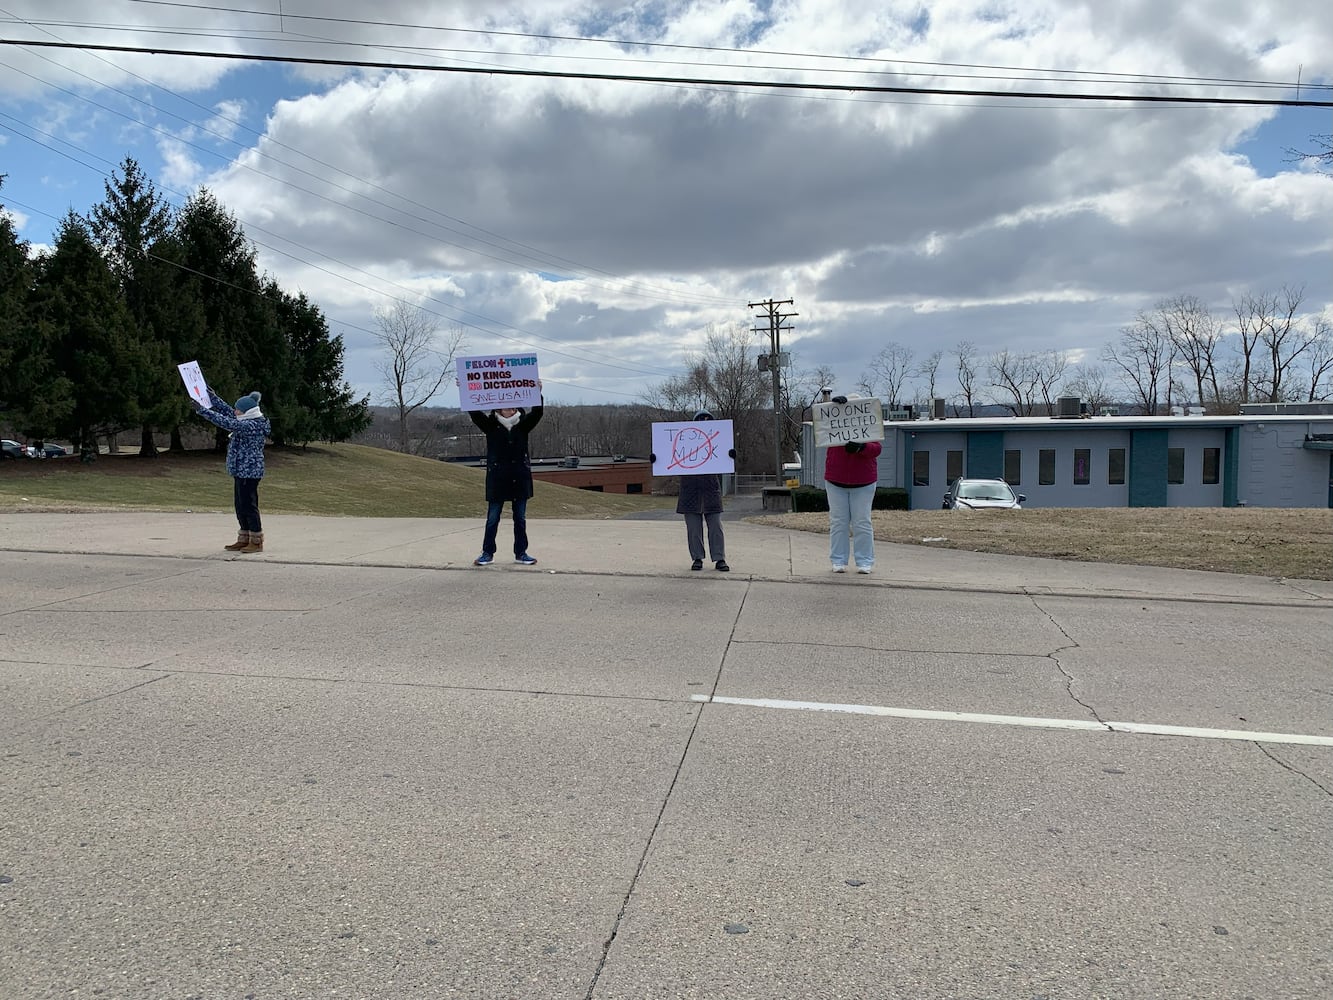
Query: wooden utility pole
x,y
774,362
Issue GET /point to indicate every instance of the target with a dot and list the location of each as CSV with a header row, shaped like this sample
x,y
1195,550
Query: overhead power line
x,y
917,68
788,85
683,47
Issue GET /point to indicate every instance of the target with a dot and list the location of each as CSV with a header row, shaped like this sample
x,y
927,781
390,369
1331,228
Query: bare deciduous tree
x,y
1322,156
1141,360
1014,379
723,378
1271,339
1089,383
1048,372
799,392
1196,337
416,361
929,369
966,353
888,371
1320,358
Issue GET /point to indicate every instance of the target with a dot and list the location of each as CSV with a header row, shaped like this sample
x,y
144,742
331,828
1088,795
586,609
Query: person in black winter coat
x,y
508,475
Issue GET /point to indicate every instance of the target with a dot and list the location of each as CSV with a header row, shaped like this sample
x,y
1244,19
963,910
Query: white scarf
x,y
251,414
509,422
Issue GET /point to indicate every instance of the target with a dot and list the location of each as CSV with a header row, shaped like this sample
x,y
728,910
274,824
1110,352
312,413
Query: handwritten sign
x,y
693,448
854,420
498,381
194,381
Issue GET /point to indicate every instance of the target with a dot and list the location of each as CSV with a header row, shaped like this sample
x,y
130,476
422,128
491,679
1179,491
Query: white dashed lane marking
x,y
979,718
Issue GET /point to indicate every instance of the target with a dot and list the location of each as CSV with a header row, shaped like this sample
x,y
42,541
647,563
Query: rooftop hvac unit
x,y
1109,411
937,408
571,461
1068,407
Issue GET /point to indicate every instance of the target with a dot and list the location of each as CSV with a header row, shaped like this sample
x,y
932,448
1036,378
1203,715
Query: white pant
x,y
850,509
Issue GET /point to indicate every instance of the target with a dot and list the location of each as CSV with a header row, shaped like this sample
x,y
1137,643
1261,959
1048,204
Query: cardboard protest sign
x,y
693,447
194,381
854,420
497,382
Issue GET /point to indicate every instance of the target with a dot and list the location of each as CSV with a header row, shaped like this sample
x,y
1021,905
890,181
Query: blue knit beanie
x,y
248,402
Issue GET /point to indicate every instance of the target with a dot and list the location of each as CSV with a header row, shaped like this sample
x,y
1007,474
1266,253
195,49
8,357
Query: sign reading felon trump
x,y
854,420
498,382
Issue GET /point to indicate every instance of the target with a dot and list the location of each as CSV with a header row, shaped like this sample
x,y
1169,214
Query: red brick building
x,y
601,474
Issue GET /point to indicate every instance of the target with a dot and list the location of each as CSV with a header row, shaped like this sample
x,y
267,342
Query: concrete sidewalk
x,y
626,547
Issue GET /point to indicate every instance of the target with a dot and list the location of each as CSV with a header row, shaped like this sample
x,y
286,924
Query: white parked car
x,y
981,494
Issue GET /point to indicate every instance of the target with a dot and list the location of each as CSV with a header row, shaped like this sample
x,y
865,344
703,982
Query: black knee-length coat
x,y
508,467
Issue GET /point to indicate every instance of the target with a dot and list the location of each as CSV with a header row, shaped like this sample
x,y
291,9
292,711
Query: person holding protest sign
x,y
700,501
851,471
245,461
508,475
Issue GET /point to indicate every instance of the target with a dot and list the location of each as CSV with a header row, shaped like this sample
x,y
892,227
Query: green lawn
x,y
334,480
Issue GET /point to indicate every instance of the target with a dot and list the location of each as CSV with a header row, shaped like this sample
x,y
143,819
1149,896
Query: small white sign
x,y
498,381
854,420
194,382
693,448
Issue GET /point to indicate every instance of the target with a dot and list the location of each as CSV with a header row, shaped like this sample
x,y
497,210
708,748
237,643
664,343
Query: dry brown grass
x,y
1289,543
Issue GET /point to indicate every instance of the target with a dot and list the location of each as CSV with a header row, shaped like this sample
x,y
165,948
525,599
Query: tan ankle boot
x,y
255,544
242,540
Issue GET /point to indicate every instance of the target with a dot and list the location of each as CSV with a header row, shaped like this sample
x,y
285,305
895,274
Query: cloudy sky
x,y
608,224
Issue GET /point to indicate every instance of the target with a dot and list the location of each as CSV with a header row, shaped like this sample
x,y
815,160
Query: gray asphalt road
x,y
324,772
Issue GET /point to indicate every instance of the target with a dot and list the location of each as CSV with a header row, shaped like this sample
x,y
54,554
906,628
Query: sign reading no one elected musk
x,y
854,420
497,382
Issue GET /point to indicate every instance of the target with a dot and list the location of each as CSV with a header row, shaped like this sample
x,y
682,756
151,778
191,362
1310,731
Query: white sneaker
x,y
864,570
839,569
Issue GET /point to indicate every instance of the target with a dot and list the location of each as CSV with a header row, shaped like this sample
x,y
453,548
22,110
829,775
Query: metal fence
x,y
750,484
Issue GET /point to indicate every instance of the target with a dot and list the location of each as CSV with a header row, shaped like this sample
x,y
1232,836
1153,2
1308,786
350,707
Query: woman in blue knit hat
x,y
245,462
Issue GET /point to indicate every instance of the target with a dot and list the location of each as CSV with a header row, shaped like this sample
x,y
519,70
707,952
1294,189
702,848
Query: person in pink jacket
x,y
851,471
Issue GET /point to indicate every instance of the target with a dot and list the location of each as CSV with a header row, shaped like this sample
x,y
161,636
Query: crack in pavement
x,y
666,800
1054,656
1293,769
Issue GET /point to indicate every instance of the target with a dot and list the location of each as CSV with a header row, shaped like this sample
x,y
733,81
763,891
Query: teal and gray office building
x,y
1278,458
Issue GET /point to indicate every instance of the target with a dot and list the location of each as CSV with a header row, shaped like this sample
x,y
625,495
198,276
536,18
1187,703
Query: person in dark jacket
x,y
508,475
245,462
700,501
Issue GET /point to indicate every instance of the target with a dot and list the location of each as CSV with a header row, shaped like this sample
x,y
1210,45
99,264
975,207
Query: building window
x,y
953,465
1115,467
920,468
1082,466
1175,466
1046,467
1013,467
634,487
1212,466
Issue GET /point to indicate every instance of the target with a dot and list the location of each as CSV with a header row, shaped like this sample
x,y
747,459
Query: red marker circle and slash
x,y
692,448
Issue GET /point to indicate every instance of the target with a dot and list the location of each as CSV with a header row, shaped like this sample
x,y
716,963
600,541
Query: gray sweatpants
x,y
694,536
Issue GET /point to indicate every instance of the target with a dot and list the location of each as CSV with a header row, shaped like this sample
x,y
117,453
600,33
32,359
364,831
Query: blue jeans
x,y
519,508
850,509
